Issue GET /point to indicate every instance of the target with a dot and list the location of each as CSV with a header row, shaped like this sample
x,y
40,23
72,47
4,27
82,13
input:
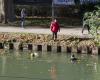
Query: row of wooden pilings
x,y
50,48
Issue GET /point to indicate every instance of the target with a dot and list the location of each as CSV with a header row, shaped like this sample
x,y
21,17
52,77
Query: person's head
x,y
55,20
23,9
73,55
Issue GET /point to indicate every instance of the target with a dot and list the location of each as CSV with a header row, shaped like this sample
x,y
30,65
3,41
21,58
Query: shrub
x,y
93,20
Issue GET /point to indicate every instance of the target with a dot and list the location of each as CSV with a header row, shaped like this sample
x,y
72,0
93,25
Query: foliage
x,y
93,20
34,10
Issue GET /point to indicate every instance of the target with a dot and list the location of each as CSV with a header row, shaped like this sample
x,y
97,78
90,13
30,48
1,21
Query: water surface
x,y
48,66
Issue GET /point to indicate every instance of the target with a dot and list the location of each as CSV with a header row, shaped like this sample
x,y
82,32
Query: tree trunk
x,y
10,13
5,12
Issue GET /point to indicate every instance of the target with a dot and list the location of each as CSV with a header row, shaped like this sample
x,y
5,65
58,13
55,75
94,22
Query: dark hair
x,y
73,55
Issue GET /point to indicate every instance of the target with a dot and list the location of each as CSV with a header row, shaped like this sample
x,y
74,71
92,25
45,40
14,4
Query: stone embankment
x,y
44,42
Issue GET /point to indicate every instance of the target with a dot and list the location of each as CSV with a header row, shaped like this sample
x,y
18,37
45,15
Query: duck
x,y
34,54
73,58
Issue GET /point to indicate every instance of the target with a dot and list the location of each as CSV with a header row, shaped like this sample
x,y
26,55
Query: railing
x,y
75,2
88,1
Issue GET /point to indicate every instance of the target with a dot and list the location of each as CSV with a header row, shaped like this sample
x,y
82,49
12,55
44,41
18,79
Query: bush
x,y
93,20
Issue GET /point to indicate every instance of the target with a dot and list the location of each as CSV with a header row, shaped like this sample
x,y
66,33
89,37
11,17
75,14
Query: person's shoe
x,y
55,39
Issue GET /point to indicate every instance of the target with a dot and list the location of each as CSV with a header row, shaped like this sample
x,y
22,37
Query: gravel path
x,y
65,31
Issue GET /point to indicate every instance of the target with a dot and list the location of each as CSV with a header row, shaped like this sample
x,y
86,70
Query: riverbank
x,y
42,37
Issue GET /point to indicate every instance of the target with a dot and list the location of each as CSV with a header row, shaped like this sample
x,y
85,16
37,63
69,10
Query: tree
x,y
5,11
77,2
93,20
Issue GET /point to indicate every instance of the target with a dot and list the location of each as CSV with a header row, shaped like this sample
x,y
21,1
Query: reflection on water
x,y
53,72
3,65
17,65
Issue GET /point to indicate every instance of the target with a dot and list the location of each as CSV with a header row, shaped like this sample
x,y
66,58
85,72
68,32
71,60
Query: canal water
x,y
48,66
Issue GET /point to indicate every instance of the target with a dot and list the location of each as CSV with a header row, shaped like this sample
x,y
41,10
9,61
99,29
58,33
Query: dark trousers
x,y
87,26
22,22
54,35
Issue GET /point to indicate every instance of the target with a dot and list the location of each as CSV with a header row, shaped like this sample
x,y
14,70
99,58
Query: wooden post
x,y
16,45
95,50
44,48
84,49
6,46
64,49
25,46
34,47
74,49
54,48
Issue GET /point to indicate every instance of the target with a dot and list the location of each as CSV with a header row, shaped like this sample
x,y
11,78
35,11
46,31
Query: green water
x,y
48,66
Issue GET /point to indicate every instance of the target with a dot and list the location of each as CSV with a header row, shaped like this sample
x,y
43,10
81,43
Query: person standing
x,y
86,18
87,26
54,28
23,17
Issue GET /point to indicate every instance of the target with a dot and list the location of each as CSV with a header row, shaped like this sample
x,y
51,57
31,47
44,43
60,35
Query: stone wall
x,y
44,42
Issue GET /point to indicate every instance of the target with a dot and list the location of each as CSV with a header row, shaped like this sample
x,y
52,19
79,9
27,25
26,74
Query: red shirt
x,y
54,26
